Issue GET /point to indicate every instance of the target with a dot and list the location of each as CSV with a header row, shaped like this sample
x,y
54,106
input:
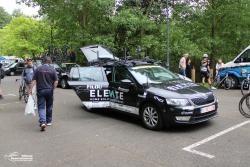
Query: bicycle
x,y
244,105
23,91
226,81
245,84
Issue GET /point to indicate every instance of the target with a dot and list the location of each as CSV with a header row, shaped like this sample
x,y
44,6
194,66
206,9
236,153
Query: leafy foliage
x,y
217,27
4,17
24,37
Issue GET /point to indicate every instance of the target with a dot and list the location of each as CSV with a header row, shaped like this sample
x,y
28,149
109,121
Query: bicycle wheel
x,y
245,87
25,94
227,83
244,105
20,93
216,82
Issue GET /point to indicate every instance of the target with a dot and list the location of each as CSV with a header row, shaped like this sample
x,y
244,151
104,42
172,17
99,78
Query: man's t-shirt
x,y
45,77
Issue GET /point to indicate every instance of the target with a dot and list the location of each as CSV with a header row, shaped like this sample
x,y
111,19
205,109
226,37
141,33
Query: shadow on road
x,y
124,117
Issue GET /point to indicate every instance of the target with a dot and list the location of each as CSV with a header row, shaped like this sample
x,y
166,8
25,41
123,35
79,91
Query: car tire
x,y
64,84
151,117
12,73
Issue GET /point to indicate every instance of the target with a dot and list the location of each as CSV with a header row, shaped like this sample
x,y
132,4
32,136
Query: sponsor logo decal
x,y
98,93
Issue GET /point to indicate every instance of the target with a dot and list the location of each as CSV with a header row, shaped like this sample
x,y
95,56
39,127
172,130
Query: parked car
x,y
14,68
64,74
2,73
237,69
147,90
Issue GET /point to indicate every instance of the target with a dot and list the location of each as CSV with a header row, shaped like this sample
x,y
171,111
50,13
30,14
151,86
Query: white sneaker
x,y
49,124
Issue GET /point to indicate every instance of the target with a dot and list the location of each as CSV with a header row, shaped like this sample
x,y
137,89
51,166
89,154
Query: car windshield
x,y
152,74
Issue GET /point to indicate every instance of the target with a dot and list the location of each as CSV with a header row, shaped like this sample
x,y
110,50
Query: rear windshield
x,y
88,73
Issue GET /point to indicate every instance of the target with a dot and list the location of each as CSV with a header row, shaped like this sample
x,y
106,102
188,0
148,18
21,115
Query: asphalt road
x,y
107,139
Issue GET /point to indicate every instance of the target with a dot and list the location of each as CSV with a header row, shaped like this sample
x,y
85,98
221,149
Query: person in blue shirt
x,y
46,80
28,72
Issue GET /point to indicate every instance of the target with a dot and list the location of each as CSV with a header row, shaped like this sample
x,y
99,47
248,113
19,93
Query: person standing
x,y
189,68
219,64
182,64
205,70
46,80
28,72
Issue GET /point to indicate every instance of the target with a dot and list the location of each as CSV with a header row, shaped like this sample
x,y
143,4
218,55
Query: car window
x,y
121,73
245,57
89,73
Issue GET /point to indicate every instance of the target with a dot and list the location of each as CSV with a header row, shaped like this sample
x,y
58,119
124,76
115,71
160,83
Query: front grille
x,y
203,100
203,117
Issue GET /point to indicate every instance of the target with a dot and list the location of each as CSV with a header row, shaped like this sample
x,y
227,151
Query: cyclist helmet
x,y
205,56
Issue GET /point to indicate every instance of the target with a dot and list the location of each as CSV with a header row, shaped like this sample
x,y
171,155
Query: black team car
x,y
153,93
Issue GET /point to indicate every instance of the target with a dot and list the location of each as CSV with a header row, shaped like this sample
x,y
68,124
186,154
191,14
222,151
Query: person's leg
x,y
182,72
41,107
49,106
202,78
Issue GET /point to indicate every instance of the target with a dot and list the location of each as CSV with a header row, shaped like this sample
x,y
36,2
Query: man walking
x,y
46,80
182,64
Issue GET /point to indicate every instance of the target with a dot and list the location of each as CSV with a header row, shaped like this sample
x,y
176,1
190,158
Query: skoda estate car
x,y
150,91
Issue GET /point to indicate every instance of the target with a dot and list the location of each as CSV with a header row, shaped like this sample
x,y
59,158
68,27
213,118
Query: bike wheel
x,y
20,93
25,94
244,105
245,87
216,82
227,83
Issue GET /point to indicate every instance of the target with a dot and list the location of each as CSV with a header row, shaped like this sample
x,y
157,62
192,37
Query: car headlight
x,y
178,102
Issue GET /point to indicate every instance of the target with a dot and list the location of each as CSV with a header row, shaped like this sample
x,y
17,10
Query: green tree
x,y
4,17
24,36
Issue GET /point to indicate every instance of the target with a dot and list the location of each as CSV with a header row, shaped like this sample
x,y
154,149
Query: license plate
x,y
207,109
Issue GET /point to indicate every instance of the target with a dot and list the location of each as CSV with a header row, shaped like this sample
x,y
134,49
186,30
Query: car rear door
x,y
91,86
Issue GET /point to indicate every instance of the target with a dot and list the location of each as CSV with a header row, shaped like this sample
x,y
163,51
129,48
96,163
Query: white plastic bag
x,y
34,96
30,107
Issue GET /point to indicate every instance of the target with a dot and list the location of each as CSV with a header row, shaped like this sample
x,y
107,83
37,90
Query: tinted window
x,y
121,74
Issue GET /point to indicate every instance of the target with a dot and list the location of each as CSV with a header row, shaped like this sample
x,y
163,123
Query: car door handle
x,y
123,90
